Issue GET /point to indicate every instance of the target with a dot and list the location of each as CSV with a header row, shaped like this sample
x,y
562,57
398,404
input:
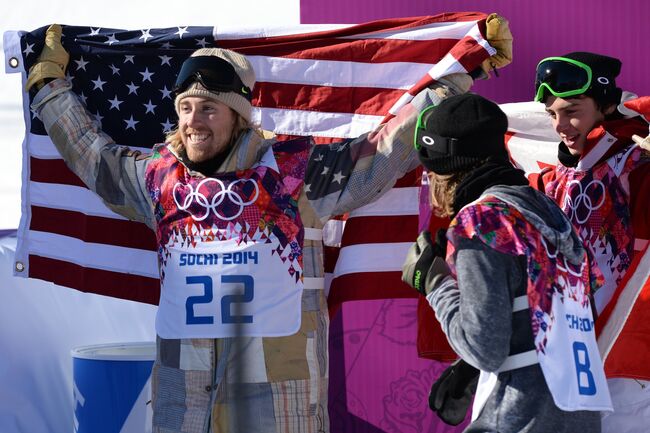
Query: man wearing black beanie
x,y
513,273
602,182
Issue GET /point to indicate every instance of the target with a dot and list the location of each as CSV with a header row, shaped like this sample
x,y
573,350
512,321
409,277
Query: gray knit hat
x,y
244,70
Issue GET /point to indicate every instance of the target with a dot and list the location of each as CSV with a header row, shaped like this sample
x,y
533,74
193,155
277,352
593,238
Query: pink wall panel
x,y
540,29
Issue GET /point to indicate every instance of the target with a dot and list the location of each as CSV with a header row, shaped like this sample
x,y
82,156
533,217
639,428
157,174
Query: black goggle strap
x,y
214,73
437,143
429,140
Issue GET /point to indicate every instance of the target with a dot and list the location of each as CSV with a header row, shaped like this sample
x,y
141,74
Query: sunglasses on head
x,y
562,77
214,73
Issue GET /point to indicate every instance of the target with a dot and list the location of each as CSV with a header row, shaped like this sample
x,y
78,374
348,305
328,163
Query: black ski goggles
x,y
563,77
214,73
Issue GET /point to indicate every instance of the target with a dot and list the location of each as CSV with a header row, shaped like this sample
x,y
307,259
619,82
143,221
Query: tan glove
x,y
52,61
499,37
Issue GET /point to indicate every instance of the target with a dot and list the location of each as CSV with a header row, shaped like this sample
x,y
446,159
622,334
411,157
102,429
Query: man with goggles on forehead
x,y
602,182
242,323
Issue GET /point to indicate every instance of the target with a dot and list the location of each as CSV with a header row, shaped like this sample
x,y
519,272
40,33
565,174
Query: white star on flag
x,y
167,125
146,35
115,103
166,93
133,88
338,177
28,49
81,63
130,123
99,84
98,117
181,31
150,107
164,60
146,75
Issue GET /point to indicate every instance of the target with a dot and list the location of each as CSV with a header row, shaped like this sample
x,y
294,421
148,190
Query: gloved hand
x,y
419,269
499,37
640,106
52,61
451,395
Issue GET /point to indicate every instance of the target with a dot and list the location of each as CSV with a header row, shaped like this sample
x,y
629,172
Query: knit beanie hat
x,y
460,132
604,70
244,70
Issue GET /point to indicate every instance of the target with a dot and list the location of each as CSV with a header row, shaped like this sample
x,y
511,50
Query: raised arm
x,y
114,172
349,174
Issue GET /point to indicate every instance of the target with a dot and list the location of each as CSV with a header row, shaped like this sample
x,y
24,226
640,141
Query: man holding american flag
x,y
242,322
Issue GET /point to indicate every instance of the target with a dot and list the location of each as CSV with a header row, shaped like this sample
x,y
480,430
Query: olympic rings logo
x,y
212,205
584,200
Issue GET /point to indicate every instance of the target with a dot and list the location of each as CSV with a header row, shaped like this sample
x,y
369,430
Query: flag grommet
x,y
20,267
14,62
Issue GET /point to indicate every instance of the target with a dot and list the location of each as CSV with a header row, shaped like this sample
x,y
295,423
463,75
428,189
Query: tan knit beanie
x,y
243,68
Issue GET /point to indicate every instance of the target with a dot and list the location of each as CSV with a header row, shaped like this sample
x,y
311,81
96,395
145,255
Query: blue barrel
x,y
112,388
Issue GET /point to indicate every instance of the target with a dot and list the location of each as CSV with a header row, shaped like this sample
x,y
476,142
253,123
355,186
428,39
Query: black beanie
x,y
604,70
460,132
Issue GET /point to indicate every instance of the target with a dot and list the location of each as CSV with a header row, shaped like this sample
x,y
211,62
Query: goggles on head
x,y
214,73
562,77
430,141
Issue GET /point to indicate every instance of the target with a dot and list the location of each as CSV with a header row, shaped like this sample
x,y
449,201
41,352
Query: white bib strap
x,y
312,283
524,359
520,303
312,234
519,360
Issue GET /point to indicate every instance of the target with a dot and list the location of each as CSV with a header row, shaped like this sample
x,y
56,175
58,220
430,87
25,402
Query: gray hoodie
x,y
483,330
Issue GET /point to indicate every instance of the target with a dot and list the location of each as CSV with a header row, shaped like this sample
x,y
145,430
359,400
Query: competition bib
x,y
222,289
230,246
571,362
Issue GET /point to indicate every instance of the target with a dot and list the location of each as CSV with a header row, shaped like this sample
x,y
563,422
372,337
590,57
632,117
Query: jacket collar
x,y
609,138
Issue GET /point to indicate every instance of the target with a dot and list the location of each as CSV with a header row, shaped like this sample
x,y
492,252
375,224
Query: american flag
x,y
328,81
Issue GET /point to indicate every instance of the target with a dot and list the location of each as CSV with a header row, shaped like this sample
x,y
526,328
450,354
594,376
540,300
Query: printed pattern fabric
x,y
558,297
597,203
504,229
192,209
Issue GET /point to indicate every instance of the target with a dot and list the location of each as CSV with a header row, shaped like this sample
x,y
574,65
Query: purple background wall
x,y
540,29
